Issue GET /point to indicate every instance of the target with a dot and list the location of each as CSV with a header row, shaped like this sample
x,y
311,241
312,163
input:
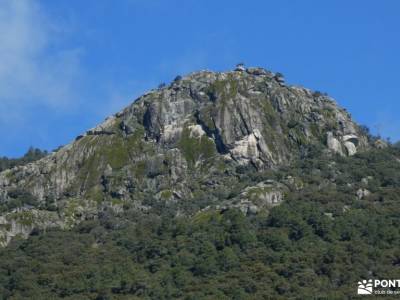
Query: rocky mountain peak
x,y
250,115
191,132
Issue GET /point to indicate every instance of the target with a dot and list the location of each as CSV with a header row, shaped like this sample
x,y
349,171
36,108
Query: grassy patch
x,y
166,194
195,149
26,218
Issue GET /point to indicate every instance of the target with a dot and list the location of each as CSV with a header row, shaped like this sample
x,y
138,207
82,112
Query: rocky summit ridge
x,y
177,143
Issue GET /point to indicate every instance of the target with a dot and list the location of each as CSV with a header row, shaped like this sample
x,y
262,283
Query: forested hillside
x,y
320,241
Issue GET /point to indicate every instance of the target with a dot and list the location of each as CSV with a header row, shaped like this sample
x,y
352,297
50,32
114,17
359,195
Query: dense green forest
x,y
31,155
317,244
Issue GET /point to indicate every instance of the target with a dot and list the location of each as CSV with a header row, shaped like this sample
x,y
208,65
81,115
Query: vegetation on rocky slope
x,y
229,185
180,133
320,241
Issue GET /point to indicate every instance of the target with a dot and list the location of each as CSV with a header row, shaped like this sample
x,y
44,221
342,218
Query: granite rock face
x,y
21,222
182,135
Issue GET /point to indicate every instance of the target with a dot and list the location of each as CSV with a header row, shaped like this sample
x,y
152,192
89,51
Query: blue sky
x,y
67,64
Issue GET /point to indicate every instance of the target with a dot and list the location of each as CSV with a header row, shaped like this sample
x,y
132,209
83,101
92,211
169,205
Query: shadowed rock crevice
x,y
213,133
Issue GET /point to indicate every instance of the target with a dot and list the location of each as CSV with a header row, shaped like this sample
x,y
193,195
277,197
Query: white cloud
x,y
34,70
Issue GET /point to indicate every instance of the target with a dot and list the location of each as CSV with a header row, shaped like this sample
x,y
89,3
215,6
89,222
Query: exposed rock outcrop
x,y
21,222
200,126
362,193
344,144
334,144
380,144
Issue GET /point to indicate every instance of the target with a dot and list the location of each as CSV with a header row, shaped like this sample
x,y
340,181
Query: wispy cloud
x,y
30,74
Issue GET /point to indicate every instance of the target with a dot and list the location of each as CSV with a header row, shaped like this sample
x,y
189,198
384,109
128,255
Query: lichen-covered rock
x,y
334,144
362,193
380,144
351,148
254,199
264,194
21,222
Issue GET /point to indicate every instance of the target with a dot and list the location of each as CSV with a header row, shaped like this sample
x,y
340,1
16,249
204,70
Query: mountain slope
x,y
219,186
319,243
177,142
